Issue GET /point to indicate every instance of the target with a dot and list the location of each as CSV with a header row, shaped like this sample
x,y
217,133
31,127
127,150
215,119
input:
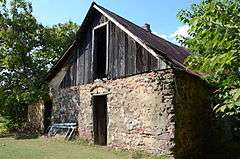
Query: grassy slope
x,y
40,148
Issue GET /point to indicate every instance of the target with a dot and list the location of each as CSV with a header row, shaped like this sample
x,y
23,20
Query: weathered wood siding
x,y
79,64
125,56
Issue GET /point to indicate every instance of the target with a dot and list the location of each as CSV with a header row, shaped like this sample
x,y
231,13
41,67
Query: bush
x,y
3,127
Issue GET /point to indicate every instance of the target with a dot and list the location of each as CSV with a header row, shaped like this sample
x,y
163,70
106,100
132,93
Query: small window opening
x,y
100,48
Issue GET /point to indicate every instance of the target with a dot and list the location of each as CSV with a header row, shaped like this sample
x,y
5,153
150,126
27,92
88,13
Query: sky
x,y
160,14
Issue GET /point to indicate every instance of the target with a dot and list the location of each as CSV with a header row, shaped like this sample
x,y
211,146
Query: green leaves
x,y
215,45
27,51
231,103
55,40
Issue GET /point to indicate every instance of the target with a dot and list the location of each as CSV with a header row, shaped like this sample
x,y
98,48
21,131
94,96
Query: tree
x,y
55,40
27,51
214,40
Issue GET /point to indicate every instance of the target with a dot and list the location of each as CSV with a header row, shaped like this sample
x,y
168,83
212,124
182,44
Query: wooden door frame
x,y
93,117
106,24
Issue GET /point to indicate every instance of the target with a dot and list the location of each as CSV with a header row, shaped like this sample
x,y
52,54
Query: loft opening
x,y
100,47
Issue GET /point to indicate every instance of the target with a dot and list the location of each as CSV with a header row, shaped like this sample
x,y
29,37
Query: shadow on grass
x,y
5,135
19,136
23,136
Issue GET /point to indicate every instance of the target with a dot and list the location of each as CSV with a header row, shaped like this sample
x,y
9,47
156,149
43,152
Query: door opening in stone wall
x,y
100,52
47,115
100,119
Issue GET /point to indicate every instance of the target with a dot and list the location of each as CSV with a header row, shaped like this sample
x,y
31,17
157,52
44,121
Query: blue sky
x,y
161,14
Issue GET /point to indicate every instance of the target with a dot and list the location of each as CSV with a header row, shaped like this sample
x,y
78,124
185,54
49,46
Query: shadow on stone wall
x,y
199,133
193,117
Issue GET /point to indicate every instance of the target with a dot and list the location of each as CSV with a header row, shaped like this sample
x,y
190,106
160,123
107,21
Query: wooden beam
x,y
106,24
100,25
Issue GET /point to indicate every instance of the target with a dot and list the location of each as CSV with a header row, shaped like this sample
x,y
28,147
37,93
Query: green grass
x,y
40,148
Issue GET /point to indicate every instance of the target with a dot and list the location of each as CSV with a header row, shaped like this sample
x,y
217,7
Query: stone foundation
x,y
143,111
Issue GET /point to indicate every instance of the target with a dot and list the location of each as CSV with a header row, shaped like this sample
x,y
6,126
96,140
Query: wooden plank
x,y
126,53
134,60
102,19
145,60
62,84
122,53
94,57
110,50
107,49
88,57
69,71
74,67
105,19
96,19
154,63
67,79
86,62
81,68
66,84
92,53
90,79
139,58
131,59
116,52
100,25
78,66
71,75
149,61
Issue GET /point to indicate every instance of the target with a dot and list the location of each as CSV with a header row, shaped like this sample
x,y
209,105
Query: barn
x,y
126,87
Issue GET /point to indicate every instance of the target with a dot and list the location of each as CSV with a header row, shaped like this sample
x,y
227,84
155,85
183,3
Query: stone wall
x,y
163,112
140,110
66,104
35,116
193,116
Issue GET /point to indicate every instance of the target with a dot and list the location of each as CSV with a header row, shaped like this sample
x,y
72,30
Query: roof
x,y
167,49
156,45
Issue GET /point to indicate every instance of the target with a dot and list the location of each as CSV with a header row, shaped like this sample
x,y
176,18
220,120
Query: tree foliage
x,y
27,51
214,40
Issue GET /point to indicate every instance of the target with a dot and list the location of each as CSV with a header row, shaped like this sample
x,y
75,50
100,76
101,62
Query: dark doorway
x,y
100,50
100,119
47,115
